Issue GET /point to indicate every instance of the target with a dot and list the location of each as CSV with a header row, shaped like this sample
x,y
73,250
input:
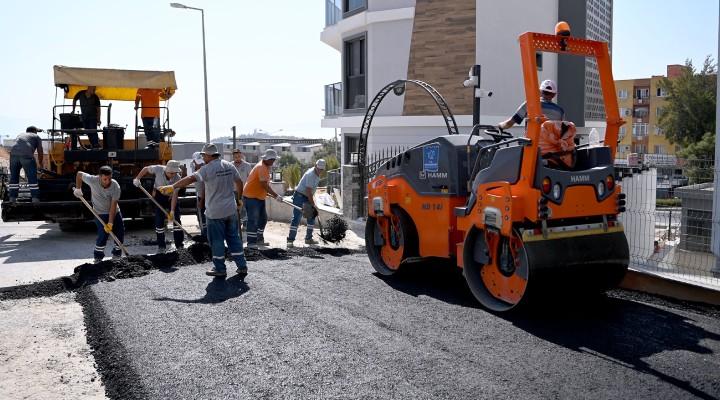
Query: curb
x,y
648,283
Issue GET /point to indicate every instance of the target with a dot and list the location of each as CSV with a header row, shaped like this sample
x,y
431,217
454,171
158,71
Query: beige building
x,y
641,102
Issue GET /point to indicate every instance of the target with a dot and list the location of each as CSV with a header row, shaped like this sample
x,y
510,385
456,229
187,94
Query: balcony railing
x,y
333,12
333,99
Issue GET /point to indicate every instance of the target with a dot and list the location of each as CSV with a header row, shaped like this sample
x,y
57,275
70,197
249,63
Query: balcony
x,y
333,100
333,12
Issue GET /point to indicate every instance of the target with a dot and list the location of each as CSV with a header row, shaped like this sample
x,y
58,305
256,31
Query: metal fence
x,y
669,220
333,179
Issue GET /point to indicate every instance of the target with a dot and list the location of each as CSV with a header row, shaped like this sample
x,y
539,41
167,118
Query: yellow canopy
x,y
112,84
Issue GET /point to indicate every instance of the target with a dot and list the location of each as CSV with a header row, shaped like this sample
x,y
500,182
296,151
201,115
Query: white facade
x,y
388,29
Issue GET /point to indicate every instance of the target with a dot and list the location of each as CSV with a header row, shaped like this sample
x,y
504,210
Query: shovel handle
x,y
164,211
112,235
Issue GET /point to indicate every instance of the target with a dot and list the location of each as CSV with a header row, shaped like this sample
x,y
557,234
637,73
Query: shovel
x,y
309,212
112,235
196,238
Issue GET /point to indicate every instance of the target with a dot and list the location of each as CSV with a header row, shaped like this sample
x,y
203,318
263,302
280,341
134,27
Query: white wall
x,y
388,58
381,5
499,23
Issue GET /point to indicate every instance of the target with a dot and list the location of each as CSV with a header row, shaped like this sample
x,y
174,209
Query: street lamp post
x,y
207,107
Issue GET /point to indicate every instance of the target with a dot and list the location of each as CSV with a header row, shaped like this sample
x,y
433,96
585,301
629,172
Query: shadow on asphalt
x,y
217,291
439,279
618,326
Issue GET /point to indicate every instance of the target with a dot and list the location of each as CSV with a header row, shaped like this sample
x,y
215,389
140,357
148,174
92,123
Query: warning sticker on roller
x,y
431,158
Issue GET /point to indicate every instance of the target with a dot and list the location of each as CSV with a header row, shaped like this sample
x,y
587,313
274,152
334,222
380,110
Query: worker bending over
x,y
104,195
164,175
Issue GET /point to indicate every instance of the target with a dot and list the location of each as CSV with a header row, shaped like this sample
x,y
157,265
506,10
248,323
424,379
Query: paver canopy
x,y
112,84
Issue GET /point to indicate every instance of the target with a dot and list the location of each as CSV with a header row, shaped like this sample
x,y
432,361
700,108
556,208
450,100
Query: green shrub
x,y
675,202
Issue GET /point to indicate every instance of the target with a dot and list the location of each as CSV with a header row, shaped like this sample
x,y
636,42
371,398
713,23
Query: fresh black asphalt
x,y
324,325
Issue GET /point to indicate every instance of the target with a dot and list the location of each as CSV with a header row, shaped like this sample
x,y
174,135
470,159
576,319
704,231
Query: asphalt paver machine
x,y
68,149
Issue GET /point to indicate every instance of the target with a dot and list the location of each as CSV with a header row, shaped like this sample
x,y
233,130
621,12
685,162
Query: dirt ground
x,y
44,352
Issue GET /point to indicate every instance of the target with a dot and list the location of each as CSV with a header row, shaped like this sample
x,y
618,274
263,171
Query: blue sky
x,y
266,64
648,35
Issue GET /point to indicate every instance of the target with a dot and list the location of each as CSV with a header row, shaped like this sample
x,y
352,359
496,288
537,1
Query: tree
x,y
329,148
689,116
287,158
291,175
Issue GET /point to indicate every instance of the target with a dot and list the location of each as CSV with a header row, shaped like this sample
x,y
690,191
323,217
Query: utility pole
x,y
233,130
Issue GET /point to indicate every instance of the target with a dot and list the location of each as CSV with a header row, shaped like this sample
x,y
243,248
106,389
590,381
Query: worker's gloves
x,y
278,198
78,193
108,228
166,190
136,182
239,205
170,216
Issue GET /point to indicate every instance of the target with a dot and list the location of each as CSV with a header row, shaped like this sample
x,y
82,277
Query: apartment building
x,y
641,102
253,148
591,19
438,42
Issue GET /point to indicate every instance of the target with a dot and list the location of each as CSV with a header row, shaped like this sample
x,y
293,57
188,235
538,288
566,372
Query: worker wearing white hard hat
x,y
553,112
305,193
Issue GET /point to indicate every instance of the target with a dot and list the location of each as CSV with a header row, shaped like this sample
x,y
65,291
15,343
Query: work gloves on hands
x,y
108,228
166,190
170,216
239,205
78,192
136,182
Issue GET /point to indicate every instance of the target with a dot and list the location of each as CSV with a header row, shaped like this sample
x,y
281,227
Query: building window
x,y
355,53
624,112
351,149
642,93
658,131
641,148
678,149
539,60
622,132
641,112
658,111
640,130
660,92
622,94
350,6
659,149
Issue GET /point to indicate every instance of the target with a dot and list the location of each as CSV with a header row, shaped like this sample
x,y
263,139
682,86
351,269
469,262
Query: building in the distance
x,y
590,19
253,148
641,102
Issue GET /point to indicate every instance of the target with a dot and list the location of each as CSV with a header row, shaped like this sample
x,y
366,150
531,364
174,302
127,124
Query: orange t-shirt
x,y
150,99
253,188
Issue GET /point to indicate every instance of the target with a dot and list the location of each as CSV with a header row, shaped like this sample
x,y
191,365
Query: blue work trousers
x,y
256,219
102,238
160,221
299,199
221,231
29,165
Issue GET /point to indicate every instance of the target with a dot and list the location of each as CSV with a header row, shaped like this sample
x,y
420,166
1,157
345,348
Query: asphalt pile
x,y
333,231
135,266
